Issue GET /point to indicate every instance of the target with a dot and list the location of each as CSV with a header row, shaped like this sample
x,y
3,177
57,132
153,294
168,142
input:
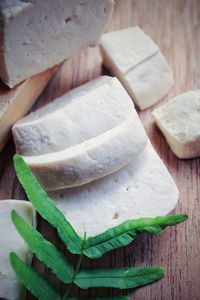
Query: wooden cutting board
x,y
175,26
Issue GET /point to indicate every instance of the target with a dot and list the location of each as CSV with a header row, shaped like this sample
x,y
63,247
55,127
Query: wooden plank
x,y
174,25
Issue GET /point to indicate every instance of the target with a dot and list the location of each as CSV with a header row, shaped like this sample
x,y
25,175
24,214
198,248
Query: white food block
x,y
144,188
16,102
79,115
87,134
138,63
38,34
10,287
179,121
92,159
149,81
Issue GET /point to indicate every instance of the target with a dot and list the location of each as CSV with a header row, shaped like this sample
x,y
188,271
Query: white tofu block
x,y
10,287
92,159
38,34
87,134
179,121
79,115
15,103
136,61
149,81
144,188
128,47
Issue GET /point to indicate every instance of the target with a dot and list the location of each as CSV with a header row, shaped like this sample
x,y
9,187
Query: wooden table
x,y
175,26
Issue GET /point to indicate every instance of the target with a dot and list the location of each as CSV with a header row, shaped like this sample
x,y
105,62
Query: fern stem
x,y
76,270
67,291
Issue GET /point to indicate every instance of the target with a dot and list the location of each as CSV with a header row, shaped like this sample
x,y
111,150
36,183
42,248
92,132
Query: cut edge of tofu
x,y
91,159
110,65
152,47
157,90
109,62
15,103
182,149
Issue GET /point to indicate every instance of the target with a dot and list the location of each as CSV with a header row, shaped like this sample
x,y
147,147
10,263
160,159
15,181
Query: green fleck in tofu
x,y
179,121
38,34
138,63
10,287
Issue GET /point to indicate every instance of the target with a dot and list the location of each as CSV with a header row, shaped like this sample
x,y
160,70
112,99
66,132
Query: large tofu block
x,y
38,34
62,147
15,103
138,63
179,121
144,188
10,287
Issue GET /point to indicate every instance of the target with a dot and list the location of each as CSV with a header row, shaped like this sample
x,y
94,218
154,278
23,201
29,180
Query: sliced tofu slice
x,y
179,121
10,288
15,103
149,81
136,61
36,35
81,114
144,188
91,159
128,47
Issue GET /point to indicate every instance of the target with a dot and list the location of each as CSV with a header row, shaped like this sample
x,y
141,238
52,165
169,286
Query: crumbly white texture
x,y
128,47
10,287
144,188
149,81
92,159
79,115
38,34
137,62
179,121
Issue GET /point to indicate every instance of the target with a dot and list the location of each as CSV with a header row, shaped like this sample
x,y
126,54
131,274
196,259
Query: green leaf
x,y
33,281
118,278
102,298
125,233
46,207
43,249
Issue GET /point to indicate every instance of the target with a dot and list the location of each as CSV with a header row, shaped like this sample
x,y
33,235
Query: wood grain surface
x,y
175,26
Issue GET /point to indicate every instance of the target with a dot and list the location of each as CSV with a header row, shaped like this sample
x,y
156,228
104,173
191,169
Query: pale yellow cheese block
x,y
15,103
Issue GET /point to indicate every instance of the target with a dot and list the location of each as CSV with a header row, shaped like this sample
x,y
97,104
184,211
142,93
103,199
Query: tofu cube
x,y
138,63
179,121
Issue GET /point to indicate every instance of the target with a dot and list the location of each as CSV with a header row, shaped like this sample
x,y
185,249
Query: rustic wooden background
x,y
175,26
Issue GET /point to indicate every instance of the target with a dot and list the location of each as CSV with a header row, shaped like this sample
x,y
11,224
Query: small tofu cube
x,y
179,121
138,63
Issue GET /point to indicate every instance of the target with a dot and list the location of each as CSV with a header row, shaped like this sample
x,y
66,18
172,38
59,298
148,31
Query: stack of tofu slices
x,y
88,148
